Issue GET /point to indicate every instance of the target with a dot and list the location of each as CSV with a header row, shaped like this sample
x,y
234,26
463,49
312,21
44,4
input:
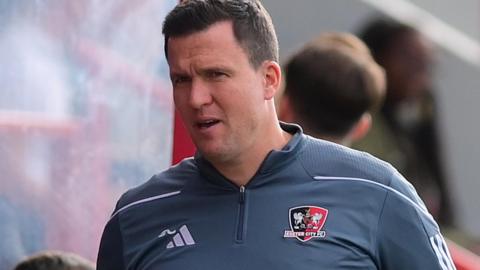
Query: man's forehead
x,y
218,38
222,28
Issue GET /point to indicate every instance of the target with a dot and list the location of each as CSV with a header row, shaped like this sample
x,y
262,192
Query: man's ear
x,y
272,76
361,128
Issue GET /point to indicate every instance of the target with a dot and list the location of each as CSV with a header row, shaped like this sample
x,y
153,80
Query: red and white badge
x,y
306,222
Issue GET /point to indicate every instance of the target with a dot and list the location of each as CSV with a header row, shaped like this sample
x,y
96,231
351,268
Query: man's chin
x,y
214,154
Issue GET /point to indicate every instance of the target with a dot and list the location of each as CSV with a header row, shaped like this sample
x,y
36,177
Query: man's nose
x,y
200,94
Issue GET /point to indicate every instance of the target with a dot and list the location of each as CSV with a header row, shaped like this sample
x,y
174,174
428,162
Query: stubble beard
x,y
230,151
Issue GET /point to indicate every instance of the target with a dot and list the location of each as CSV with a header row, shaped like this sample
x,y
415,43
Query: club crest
x,y
306,222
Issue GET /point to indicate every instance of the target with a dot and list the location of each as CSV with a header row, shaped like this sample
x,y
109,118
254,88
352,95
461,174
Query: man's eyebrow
x,y
217,68
178,74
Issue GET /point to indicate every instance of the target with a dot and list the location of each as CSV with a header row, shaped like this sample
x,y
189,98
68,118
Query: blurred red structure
x,y
463,258
182,144
66,204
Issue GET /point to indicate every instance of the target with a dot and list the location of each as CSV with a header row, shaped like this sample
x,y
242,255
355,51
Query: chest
x,y
255,229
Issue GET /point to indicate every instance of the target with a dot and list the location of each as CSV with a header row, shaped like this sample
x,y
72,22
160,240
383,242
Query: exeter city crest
x,y
306,222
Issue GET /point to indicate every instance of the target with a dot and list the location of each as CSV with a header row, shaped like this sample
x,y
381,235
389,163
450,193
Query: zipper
x,y
241,215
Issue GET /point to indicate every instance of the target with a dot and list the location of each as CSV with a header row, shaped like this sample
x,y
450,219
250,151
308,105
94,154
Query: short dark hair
x,y
381,33
252,25
55,260
331,82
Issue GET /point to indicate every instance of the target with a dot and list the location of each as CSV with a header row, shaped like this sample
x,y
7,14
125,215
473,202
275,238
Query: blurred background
x,y
86,110
85,113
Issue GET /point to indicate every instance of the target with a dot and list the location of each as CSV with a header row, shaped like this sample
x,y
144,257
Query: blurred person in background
x,y
332,86
334,69
404,132
55,260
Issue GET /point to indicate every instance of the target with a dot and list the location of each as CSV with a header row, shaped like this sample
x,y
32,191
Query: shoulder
x,y
162,185
325,158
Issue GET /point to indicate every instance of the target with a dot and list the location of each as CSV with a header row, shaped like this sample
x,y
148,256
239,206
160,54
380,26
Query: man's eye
x,y
216,74
180,79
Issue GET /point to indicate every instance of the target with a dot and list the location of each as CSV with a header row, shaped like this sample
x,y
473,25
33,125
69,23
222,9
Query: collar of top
x,y
275,160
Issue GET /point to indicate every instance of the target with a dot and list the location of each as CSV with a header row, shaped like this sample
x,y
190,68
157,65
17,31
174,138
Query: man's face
x,y
409,64
219,94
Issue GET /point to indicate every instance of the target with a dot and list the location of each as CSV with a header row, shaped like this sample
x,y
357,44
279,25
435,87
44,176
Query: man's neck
x,y
243,169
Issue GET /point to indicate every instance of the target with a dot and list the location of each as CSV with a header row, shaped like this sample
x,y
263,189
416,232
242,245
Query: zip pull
x,y
241,216
242,194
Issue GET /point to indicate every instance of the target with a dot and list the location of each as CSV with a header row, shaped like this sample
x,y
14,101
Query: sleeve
x,y
409,238
110,255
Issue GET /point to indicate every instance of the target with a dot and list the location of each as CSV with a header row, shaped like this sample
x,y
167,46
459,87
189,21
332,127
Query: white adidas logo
x,y
182,238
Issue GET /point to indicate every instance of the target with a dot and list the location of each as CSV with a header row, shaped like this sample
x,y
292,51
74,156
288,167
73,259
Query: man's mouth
x,y
207,123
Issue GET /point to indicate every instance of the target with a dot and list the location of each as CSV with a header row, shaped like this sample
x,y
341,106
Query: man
x,y
405,129
259,195
332,86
